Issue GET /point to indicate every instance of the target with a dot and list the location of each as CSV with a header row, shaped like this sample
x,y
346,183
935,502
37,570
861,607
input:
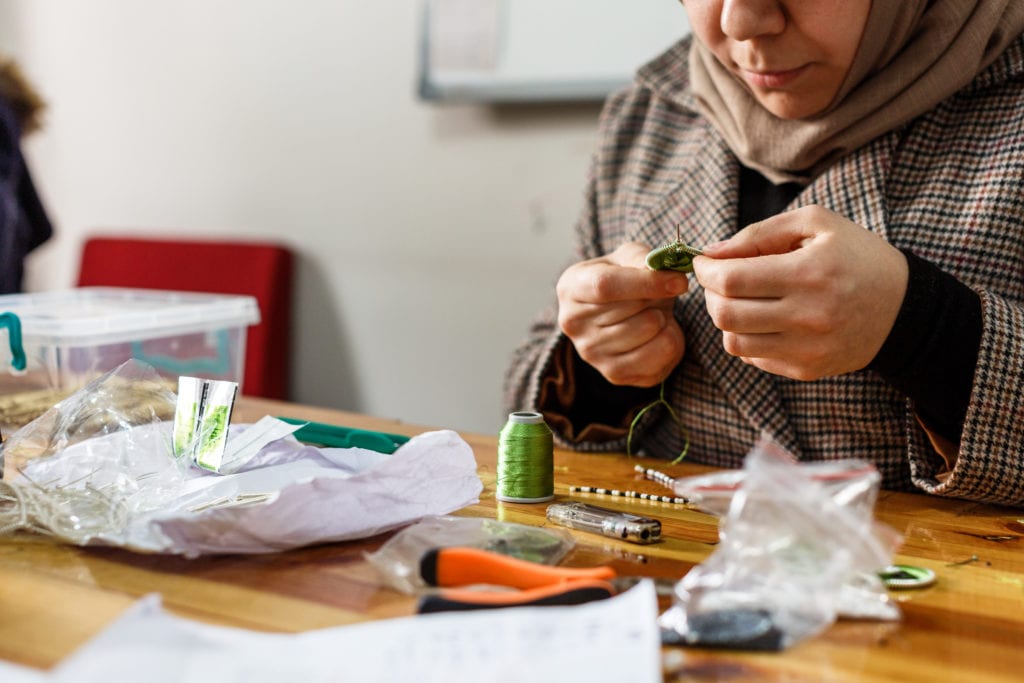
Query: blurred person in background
x,y
24,224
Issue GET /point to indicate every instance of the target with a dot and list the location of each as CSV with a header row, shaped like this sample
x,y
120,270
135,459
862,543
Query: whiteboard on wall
x,y
540,50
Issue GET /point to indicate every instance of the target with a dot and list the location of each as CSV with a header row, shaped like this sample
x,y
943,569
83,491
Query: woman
x,y
854,171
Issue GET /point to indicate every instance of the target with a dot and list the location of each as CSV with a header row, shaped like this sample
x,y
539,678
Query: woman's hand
x,y
618,314
805,294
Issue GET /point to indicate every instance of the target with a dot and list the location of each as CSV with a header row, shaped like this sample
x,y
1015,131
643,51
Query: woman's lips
x,y
772,79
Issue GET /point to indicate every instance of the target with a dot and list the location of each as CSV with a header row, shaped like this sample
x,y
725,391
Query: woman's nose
x,y
748,19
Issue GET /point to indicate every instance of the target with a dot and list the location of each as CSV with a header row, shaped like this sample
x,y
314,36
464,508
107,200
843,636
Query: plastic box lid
x,y
90,316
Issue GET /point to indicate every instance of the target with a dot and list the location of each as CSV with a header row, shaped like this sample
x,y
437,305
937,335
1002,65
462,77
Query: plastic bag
x,y
398,560
130,395
852,483
795,550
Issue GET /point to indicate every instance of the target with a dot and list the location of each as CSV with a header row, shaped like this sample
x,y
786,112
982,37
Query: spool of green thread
x,y
526,460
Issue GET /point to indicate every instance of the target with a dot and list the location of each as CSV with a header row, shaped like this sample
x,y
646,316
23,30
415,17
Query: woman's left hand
x,y
804,294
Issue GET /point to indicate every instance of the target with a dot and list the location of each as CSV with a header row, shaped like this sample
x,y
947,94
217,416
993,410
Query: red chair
x,y
258,269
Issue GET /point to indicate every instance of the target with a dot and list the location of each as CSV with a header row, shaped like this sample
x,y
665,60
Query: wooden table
x,y
969,626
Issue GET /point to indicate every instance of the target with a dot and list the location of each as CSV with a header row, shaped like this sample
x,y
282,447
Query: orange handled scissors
x,y
537,584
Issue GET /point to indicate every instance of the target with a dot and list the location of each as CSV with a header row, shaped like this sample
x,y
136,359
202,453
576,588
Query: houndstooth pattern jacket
x,y
948,186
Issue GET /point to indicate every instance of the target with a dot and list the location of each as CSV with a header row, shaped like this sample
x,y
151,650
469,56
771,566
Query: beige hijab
x,y
913,55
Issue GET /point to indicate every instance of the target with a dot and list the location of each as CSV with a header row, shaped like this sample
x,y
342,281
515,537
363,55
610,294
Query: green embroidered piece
x,y
674,256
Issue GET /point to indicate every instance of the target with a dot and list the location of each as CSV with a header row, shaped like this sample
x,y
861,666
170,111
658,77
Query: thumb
x,y
779,234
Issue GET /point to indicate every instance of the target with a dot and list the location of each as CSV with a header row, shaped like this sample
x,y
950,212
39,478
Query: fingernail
x,y
714,246
676,285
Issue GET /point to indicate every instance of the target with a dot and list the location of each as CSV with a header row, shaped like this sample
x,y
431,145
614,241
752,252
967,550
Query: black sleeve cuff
x,y
932,350
600,401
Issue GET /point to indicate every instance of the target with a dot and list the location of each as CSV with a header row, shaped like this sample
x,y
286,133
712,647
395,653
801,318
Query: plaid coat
x,y
949,186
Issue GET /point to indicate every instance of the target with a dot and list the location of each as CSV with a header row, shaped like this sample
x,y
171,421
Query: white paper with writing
x,y
610,640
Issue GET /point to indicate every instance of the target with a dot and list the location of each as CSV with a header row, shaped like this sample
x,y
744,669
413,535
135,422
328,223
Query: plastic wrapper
x,y
796,550
398,560
131,394
75,506
850,482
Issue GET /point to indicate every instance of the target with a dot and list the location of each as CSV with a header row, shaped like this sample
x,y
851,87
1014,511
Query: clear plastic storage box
x,y
70,337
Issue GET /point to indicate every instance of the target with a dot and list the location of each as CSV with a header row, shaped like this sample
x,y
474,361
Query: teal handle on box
x,y
334,436
13,325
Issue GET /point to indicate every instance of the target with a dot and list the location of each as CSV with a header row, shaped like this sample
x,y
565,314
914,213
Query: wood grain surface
x,y
968,626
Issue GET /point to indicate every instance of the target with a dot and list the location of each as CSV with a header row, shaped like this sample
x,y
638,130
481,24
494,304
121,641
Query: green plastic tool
x,y
333,436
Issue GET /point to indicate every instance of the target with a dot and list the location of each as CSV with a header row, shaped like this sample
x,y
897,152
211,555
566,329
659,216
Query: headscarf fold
x,y
913,55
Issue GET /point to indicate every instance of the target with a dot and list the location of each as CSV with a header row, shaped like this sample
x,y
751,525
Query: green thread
x,y
675,418
677,256
526,471
961,563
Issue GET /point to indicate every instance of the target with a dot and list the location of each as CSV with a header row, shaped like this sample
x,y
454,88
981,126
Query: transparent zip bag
x,y
797,550
398,560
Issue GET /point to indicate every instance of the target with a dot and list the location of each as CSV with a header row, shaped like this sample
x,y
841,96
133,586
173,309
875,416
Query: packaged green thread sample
x,y
201,420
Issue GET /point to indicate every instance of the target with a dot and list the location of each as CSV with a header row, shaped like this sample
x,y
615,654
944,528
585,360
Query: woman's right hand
x,y
618,314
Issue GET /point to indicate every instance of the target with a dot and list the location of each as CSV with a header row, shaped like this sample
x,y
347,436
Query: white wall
x,y
427,236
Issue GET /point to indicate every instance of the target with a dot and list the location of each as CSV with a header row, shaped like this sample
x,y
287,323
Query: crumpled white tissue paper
x,y
289,495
